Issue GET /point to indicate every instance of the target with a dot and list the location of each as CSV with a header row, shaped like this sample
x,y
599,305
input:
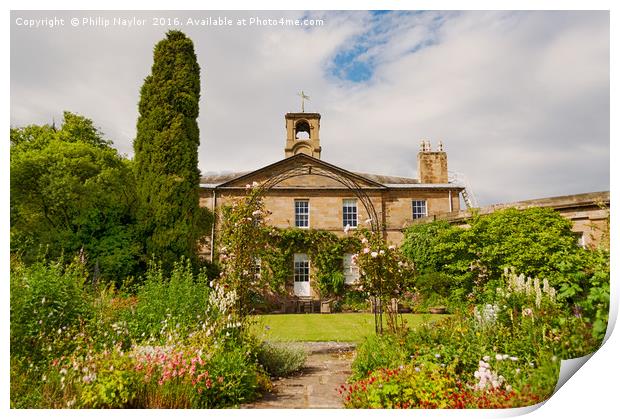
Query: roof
x,y
582,201
221,180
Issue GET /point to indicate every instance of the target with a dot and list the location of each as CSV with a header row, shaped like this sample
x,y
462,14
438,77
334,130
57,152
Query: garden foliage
x,y
166,153
176,344
71,192
505,353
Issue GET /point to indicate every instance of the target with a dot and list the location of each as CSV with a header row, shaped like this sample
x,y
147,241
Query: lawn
x,y
339,327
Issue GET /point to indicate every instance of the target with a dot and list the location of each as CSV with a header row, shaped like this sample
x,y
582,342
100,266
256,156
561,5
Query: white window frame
x,y
257,267
347,215
415,204
351,271
307,214
301,262
581,239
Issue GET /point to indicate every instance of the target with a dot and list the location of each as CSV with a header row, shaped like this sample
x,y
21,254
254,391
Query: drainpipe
x,y
213,225
450,199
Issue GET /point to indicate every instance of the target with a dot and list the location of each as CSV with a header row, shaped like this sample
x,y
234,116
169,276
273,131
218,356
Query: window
x,y
419,209
256,268
302,267
351,271
349,213
581,239
302,213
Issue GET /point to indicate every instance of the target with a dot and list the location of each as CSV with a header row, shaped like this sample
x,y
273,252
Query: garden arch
x,y
351,184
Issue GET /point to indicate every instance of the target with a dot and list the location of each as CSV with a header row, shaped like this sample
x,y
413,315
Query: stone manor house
x,y
309,193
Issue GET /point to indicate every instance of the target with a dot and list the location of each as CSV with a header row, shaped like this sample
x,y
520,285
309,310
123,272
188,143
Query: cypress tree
x,y
166,152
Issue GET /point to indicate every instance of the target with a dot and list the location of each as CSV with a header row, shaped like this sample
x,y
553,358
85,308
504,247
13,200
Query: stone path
x,y
316,385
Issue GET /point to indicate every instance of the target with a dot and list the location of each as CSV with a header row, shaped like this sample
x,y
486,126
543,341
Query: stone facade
x,y
326,188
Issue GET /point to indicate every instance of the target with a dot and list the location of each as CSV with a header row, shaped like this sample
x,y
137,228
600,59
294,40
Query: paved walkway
x,y
316,385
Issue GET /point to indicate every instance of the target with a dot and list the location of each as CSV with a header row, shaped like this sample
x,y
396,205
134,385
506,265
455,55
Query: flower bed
x,y
501,354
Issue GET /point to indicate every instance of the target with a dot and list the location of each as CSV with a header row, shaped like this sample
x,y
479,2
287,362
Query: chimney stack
x,y
432,165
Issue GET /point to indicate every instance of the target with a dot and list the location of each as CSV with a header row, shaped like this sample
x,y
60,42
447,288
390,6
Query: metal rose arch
x,y
351,184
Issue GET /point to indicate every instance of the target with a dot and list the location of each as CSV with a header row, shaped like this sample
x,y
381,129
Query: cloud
x,y
520,99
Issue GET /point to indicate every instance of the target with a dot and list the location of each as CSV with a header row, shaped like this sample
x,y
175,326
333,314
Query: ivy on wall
x,y
325,250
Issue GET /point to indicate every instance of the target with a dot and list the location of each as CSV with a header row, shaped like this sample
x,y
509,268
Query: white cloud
x,y
520,100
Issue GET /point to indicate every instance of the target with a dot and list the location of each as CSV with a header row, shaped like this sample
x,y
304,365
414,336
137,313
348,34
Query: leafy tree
x,y
533,241
536,242
166,153
69,191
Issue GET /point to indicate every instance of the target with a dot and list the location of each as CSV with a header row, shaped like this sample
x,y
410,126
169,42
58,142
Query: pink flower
x,y
366,250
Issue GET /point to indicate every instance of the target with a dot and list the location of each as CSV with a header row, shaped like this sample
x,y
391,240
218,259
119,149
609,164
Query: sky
x,y
520,100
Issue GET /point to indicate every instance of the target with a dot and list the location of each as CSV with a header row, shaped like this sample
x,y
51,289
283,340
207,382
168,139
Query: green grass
x,y
339,327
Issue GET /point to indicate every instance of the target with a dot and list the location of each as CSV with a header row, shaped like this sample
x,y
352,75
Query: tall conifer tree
x,y
166,152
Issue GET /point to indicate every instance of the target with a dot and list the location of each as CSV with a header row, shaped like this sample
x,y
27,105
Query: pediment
x,y
302,171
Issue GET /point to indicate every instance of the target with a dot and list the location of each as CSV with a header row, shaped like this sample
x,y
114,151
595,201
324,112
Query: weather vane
x,y
303,97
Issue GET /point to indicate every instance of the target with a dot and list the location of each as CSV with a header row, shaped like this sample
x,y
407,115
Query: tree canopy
x,y
71,191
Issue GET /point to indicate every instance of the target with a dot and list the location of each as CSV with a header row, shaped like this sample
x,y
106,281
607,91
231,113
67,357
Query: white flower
x,y
514,358
486,358
366,250
374,254
248,186
382,252
437,356
499,357
347,228
391,247
256,213
254,184
364,240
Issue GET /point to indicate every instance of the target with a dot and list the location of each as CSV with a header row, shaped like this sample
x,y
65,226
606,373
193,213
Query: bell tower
x,y
302,134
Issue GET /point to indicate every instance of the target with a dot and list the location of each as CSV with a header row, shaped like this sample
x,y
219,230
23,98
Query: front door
x,y
301,280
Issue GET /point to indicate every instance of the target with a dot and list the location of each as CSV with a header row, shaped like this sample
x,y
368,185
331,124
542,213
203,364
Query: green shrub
x,y
377,352
353,300
235,379
175,305
48,305
281,359
114,383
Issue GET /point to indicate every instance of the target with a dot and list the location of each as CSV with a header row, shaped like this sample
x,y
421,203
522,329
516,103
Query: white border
x,y
591,393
